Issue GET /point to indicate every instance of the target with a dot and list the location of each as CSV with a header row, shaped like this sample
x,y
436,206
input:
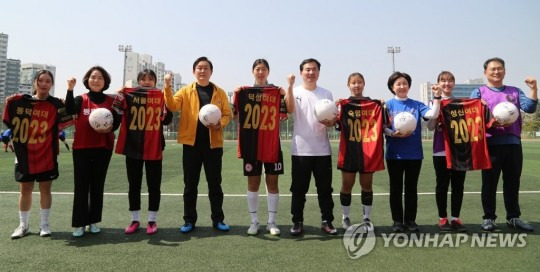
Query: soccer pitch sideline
x,y
208,249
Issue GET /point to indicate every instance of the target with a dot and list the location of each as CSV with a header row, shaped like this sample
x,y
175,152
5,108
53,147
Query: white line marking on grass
x,y
243,195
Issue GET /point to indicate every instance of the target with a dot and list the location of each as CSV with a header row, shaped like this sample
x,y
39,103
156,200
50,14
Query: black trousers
x,y
153,180
90,169
509,160
445,177
194,157
302,167
396,170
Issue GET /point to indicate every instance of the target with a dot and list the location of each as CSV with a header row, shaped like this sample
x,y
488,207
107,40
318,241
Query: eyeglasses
x,y
496,69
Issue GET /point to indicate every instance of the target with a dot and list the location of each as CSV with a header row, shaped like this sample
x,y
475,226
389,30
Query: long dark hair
x,y
36,77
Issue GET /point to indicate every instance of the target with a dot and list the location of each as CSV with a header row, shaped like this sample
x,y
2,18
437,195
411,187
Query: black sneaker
x,y
458,226
412,226
519,224
345,223
397,227
328,228
297,229
444,225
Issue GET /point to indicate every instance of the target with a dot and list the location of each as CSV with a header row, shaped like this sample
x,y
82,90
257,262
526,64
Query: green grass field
x,y
208,249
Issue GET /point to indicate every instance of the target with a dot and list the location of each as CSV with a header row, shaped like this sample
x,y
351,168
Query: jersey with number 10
x,y
259,112
35,124
141,129
464,124
361,140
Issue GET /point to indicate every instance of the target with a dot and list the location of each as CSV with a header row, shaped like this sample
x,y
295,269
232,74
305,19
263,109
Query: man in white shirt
x,y
310,151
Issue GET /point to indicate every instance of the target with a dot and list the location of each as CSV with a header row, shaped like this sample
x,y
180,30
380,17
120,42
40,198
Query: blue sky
x,y
345,36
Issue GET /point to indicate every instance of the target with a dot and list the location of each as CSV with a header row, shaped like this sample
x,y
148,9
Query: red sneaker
x,y
458,226
444,225
133,227
151,228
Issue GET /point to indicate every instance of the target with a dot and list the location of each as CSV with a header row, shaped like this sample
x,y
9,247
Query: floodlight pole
x,y
393,50
125,49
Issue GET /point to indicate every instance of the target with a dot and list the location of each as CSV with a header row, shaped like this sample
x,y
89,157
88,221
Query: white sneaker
x,y
44,230
273,229
368,224
346,223
253,229
93,228
20,232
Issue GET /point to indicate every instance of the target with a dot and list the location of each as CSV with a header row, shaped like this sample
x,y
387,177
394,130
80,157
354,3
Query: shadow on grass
x,y
502,227
171,237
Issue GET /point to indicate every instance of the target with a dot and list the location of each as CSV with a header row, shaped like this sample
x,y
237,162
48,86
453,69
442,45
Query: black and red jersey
x,y
361,139
141,129
464,123
259,115
35,125
85,136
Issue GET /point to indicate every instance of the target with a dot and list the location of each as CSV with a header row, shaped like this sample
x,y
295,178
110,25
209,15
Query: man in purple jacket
x,y
504,145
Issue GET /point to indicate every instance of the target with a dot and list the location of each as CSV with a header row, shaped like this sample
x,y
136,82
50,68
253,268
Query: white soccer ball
x,y
404,122
505,113
325,110
100,119
209,114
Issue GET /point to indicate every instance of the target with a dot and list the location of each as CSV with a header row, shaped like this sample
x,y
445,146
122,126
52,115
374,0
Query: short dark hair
x,y
104,73
203,59
501,61
356,74
445,74
308,61
260,61
146,72
393,77
38,74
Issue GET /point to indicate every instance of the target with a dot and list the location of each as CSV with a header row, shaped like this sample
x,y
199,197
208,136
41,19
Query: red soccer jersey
x,y
259,112
361,139
141,128
34,124
464,124
85,135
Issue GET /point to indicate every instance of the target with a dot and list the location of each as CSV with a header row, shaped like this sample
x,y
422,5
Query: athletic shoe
x,y
397,227
519,224
412,226
44,230
368,225
253,229
93,228
187,227
273,228
133,227
297,229
444,225
458,226
221,226
151,228
345,223
328,228
79,232
20,232
489,225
